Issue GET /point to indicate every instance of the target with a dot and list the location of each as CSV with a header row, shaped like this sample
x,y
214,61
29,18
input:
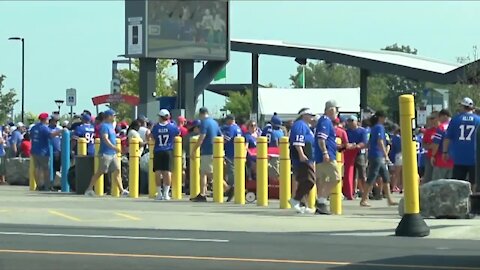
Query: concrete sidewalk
x,y
20,206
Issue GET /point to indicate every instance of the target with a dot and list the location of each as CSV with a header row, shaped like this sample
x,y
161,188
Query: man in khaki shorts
x,y
327,175
208,131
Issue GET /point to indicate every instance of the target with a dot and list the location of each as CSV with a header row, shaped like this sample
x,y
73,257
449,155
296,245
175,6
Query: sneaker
x,y
200,198
296,206
230,194
125,193
322,209
90,193
167,197
309,210
159,197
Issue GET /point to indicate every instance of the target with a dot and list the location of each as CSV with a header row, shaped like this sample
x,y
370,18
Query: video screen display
x,y
188,29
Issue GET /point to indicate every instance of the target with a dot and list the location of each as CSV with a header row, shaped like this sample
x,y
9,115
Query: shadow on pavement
x,y
417,262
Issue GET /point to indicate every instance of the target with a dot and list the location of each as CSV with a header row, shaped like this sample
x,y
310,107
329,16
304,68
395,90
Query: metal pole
x,y
23,80
71,112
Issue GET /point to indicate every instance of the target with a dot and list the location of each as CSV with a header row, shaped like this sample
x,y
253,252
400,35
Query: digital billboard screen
x,y
188,29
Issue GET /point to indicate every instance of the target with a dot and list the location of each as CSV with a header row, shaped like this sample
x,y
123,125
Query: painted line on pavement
x,y
123,237
232,259
128,216
60,214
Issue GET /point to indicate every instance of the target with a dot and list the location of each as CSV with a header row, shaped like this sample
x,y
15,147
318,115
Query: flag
x,y
301,77
222,74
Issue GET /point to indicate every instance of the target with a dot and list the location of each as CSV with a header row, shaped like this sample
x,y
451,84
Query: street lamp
x,y
23,74
59,103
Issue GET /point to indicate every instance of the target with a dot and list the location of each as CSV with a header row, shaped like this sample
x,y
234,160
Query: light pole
x,y
23,74
59,103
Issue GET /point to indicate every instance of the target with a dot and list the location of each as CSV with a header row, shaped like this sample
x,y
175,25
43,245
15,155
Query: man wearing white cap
x,y
164,134
460,142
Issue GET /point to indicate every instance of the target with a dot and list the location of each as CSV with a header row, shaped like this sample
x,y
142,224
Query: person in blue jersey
x,y
325,148
230,131
109,161
208,131
16,139
460,142
273,131
395,155
85,130
56,143
421,152
357,137
250,143
164,133
40,137
301,155
377,159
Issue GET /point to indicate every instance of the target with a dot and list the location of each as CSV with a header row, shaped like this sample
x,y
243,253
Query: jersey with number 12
x,y
164,135
461,133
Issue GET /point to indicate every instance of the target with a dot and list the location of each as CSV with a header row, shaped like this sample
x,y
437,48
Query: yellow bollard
x,y
31,175
99,183
177,169
262,171
113,186
82,147
239,166
285,175
312,197
218,159
412,223
133,166
336,193
152,185
194,169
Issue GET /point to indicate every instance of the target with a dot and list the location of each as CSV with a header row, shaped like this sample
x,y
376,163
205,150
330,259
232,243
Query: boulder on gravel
x,y
444,198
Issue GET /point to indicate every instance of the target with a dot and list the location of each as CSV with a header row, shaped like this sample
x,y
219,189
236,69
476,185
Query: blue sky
x,y
72,43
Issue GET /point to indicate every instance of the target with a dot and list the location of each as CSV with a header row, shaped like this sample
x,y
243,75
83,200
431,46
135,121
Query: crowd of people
x,y
369,149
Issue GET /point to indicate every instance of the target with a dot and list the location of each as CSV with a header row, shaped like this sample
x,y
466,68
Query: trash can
x,y
84,167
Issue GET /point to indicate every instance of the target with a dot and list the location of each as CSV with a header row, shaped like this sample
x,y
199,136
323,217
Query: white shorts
x,y
398,159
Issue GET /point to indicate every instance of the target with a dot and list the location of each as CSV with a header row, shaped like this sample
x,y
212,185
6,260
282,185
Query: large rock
x,y
17,171
444,198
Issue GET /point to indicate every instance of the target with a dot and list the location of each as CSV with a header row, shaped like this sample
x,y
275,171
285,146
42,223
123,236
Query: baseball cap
x,y
86,117
20,124
305,111
43,116
203,110
181,118
352,118
466,101
331,104
276,121
65,123
109,113
337,120
230,117
196,123
164,113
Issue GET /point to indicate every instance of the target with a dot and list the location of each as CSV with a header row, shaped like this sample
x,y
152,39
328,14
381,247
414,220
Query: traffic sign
x,y
71,97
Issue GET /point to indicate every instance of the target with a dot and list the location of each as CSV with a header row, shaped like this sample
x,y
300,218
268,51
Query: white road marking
x,y
124,237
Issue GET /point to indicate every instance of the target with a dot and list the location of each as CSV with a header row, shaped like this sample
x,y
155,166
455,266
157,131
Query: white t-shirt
x,y
134,134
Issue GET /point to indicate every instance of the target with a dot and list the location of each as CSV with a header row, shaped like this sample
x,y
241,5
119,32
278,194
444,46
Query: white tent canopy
x,y
286,102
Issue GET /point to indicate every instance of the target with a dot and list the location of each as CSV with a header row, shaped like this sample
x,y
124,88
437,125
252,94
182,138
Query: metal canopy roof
x,y
403,64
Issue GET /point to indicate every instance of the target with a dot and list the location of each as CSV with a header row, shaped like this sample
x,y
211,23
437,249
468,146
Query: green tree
x,y
166,85
320,74
239,104
8,99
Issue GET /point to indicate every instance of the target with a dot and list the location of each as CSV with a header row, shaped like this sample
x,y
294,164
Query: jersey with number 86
x,y
461,133
164,135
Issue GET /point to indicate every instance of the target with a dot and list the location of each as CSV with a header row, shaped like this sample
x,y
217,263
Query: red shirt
x,y
25,148
183,131
427,139
439,162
